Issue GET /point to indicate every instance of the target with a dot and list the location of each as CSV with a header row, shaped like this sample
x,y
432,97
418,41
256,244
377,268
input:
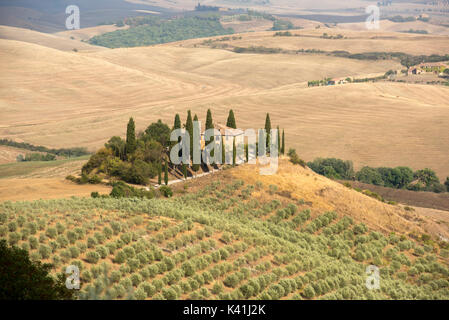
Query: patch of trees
x,y
333,168
416,31
23,279
36,157
149,31
398,178
63,152
134,160
200,7
258,49
282,25
400,19
406,60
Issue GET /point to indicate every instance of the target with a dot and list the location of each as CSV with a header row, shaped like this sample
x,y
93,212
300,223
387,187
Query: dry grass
x,y
54,41
59,99
326,195
356,41
49,188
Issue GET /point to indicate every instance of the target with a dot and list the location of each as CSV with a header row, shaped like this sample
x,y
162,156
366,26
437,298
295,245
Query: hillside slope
x,y
376,124
45,39
233,239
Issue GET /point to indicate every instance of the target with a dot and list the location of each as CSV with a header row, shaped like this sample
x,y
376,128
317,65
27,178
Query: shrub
x,y
74,251
92,257
120,257
51,232
166,191
14,238
12,226
44,251
33,242
102,251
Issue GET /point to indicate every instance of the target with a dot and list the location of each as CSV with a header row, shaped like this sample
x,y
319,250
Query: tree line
x,y
398,178
144,156
63,152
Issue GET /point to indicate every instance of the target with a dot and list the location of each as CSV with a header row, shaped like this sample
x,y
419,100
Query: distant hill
x,y
49,15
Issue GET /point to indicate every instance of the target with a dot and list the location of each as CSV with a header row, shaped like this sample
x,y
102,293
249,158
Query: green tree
x,y
131,142
223,151
189,129
231,120
195,167
447,179
184,170
22,279
279,141
268,129
159,174
166,173
159,132
283,142
117,145
210,125
234,153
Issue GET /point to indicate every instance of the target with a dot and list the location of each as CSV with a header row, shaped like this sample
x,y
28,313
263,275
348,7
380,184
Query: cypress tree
x,y
279,141
131,142
283,142
246,152
210,125
184,171
234,153
231,120
195,167
189,129
159,174
223,151
177,124
166,173
268,129
209,122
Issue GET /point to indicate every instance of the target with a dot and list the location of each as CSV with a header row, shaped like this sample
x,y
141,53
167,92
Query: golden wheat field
x,y
57,98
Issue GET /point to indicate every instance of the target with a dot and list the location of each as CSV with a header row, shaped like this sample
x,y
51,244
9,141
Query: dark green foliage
x,y
231,120
294,158
333,168
131,142
166,191
189,129
427,177
122,190
159,174
370,175
154,31
166,173
22,279
177,122
210,125
38,157
117,145
268,129
158,131
447,184
283,142
282,25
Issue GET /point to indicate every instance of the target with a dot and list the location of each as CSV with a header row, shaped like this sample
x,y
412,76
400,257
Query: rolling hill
x,y
95,93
